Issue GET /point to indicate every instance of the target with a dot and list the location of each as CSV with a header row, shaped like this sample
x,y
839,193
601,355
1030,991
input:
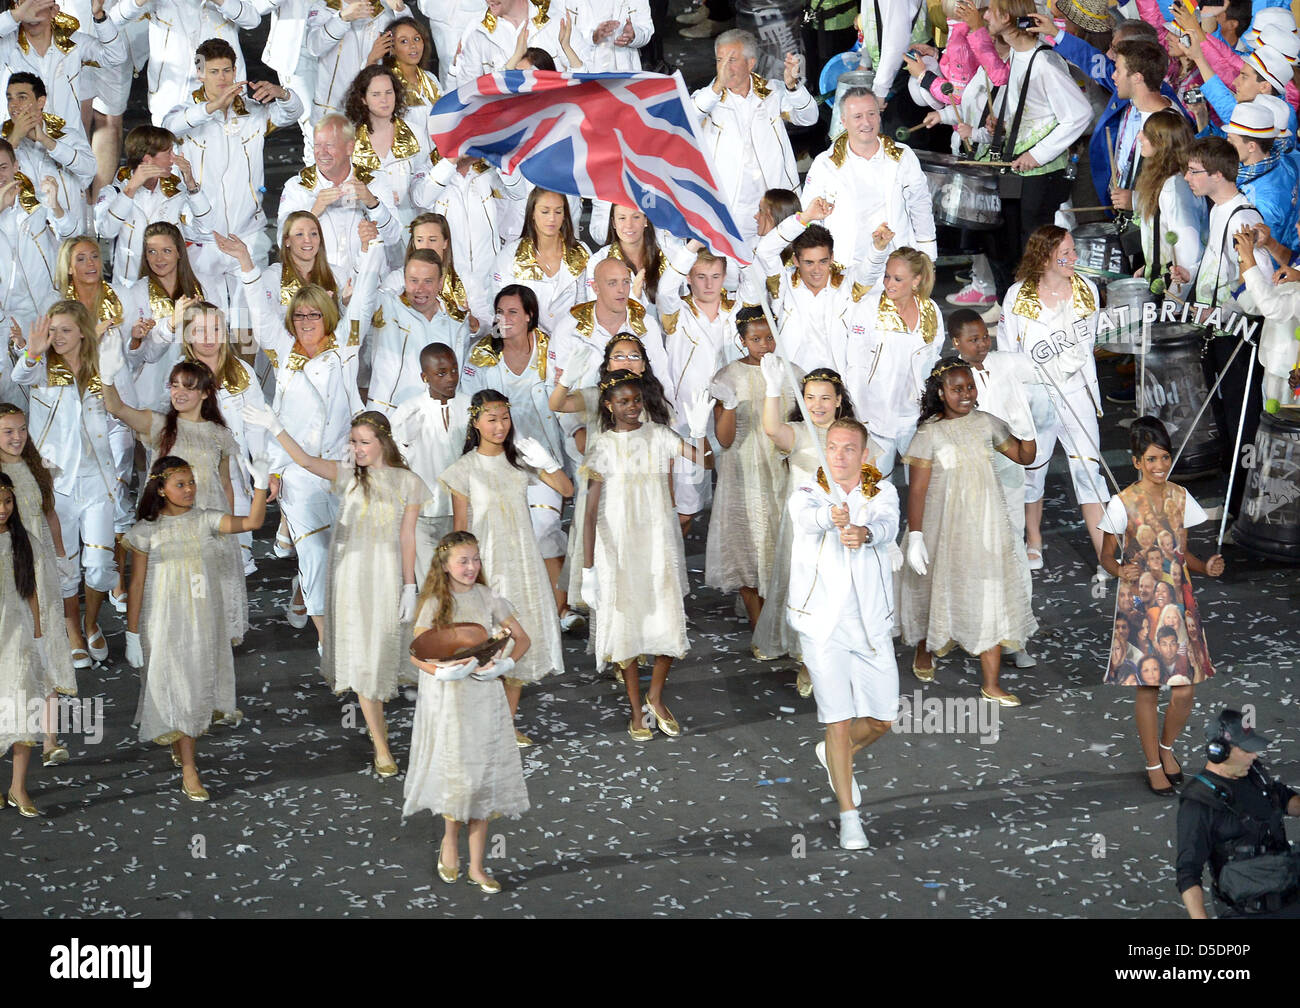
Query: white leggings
x,y
86,521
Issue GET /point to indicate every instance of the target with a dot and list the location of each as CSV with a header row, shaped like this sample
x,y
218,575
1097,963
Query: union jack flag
x,y
627,138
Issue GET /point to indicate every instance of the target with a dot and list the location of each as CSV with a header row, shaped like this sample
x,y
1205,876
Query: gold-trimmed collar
x,y
840,149
376,7
234,387
161,303
53,126
454,297
289,285
26,192
110,305
169,184
528,268
404,146
870,477
1029,305
238,105
616,252
298,357
893,149
483,355
61,29
889,319
59,375
426,92
585,315
837,278
490,20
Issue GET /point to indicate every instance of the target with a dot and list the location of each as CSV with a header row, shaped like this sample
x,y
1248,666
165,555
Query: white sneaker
x,y
1101,574
297,619
1025,660
820,749
852,835
283,546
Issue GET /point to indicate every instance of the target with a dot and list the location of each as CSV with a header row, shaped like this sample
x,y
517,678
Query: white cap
x,y
1273,17
1272,66
1253,121
1287,43
1280,110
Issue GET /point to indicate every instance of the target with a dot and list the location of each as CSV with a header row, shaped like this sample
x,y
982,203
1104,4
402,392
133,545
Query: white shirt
x,y
431,434
123,219
1218,273
606,56
341,49
488,44
339,221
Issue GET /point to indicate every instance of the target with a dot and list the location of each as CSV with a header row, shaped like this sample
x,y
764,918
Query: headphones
x,y
1219,745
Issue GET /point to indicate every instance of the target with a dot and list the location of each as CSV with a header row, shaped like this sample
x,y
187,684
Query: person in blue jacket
x,y
1100,67
1265,173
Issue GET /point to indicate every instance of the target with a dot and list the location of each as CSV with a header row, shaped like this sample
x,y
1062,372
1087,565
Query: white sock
x,y
850,815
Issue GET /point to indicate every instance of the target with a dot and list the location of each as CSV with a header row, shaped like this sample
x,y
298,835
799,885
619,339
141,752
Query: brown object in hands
x,y
458,642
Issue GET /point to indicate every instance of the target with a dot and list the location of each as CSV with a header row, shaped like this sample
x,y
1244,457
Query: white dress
x,y
640,560
205,445
465,762
512,561
747,505
59,675
189,668
364,649
20,665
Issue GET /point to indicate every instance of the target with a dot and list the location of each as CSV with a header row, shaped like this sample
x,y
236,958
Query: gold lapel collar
x,y
840,150
26,192
585,314
61,30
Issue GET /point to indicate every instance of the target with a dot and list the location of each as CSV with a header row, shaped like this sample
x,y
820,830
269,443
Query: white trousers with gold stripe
x,y
86,521
1076,429
310,510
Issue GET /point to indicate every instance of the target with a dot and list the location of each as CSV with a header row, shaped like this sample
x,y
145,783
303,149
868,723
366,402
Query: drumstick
x,y
905,131
1110,146
948,91
988,164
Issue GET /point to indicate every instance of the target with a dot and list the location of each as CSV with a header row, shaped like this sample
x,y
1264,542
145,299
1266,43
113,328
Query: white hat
x,y
1253,121
1272,66
1273,17
1279,109
1287,43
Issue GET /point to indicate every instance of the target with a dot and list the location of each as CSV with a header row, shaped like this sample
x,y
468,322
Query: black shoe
x,y
1177,776
1163,792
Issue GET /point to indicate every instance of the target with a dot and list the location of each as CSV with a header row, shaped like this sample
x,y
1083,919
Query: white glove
x,y
406,607
590,588
499,669
697,415
773,369
111,361
535,454
917,558
452,673
725,395
259,471
263,416
134,656
583,367
895,557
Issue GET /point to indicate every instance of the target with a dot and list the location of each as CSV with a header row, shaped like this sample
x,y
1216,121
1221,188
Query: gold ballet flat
x,y
56,756
639,732
28,811
522,740
176,756
448,875
491,886
386,770
1007,700
668,725
803,683
198,794
759,654
925,675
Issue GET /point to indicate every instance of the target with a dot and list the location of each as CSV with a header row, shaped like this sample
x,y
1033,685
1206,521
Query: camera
x,y
1025,23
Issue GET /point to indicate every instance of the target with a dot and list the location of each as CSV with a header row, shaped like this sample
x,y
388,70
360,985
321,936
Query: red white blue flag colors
x,y
626,138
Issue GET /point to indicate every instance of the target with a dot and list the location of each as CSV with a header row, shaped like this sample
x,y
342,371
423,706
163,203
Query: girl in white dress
x,y
634,575
465,765
20,643
386,145
371,557
194,429
740,552
489,497
175,620
826,400
206,342
33,488
964,584
547,257
1051,313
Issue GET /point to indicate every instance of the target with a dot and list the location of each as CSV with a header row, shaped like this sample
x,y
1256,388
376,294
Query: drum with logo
x,y
1269,522
964,195
1099,250
1120,329
1173,389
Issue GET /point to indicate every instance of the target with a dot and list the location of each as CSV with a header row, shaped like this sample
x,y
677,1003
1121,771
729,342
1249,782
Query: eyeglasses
x,y
1196,171
625,357
313,316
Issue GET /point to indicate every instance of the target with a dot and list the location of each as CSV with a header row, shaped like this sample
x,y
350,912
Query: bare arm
x,y
1109,546
56,530
703,458
235,524
521,640
594,486
918,485
139,420
558,482
1022,452
1212,567
326,469
1194,901
135,590
781,433
459,513
226,486
724,425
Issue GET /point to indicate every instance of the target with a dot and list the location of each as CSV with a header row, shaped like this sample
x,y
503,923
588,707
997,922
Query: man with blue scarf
x,y
1266,174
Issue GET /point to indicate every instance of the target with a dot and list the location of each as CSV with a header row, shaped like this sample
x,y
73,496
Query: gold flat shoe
x,y
925,674
1007,700
668,725
386,770
199,794
639,732
28,811
448,875
176,756
56,756
491,886
803,683
522,740
759,654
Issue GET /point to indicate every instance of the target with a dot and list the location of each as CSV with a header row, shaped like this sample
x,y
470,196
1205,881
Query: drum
x,y
849,79
1270,508
1173,389
1122,330
964,196
1099,250
776,26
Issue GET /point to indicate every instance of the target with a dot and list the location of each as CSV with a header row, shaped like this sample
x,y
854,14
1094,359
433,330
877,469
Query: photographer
x,y
1231,815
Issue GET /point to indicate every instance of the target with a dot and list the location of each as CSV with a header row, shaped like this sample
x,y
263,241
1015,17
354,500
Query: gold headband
x,y
618,378
822,374
475,411
941,369
379,422
167,474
